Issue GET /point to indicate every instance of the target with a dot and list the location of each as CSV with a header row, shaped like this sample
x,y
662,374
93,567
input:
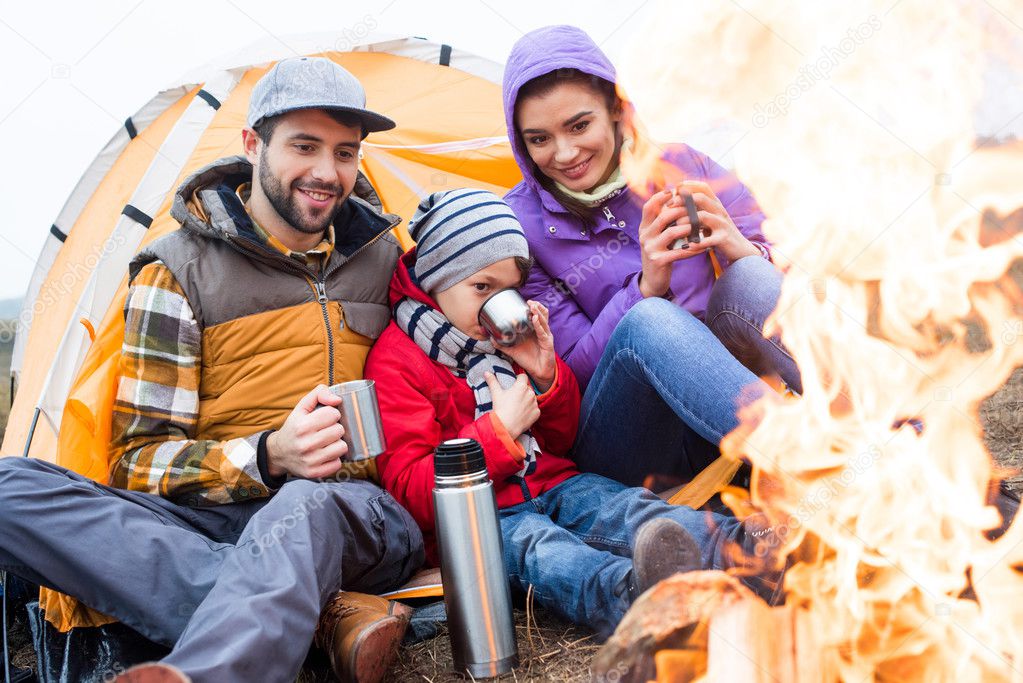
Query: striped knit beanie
x,y
460,232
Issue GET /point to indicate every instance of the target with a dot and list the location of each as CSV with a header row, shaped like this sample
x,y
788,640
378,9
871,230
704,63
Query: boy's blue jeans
x,y
573,544
668,385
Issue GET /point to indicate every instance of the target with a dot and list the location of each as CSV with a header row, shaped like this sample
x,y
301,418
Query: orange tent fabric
x,y
450,134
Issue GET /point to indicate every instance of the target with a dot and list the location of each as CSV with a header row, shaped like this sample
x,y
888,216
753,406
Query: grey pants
x,y
236,590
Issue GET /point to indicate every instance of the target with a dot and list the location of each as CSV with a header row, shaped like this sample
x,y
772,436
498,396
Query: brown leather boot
x,y
361,635
152,673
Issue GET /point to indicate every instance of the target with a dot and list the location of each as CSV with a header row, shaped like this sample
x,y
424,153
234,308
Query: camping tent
x,y
450,134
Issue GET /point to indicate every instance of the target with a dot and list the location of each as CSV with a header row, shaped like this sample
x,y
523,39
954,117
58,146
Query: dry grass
x,y
549,650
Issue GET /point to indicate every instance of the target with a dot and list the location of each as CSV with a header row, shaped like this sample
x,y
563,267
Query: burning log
x,y
752,642
670,617
708,626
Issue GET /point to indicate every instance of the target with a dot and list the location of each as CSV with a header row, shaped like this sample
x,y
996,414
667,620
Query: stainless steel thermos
x,y
477,595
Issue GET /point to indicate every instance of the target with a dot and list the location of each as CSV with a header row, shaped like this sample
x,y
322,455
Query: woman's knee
x,y
751,269
750,285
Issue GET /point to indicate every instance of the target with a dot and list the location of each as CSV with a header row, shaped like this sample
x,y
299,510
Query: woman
x,y
650,331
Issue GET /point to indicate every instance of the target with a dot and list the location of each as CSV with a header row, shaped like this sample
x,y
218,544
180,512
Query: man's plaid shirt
x,y
156,412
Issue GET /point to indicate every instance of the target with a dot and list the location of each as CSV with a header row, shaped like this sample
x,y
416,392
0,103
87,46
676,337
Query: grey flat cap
x,y
311,83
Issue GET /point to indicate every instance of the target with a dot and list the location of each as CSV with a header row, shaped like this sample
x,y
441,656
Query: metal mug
x,y
505,317
696,230
360,417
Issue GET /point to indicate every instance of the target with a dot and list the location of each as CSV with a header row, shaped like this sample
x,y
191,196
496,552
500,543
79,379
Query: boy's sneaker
x,y
662,548
153,672
361,635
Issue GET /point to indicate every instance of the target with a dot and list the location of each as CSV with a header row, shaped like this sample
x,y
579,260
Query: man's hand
x,y
309,443
535,354
515,406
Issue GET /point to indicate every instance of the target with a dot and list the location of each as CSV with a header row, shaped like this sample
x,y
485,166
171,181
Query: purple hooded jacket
x,y
588,276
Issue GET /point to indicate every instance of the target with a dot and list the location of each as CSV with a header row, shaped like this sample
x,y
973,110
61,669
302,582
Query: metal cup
x,y
696,228
360,416
505,317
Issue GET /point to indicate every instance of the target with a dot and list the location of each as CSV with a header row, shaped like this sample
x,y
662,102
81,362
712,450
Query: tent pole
x,y
31,432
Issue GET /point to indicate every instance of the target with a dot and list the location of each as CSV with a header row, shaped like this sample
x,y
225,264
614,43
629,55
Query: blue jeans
x,y
667,389
740,302
573,544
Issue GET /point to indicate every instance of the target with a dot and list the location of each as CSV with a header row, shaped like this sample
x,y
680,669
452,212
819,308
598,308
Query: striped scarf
x,y
467,358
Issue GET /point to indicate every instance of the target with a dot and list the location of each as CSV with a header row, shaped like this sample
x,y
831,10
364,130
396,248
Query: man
x,y
219,540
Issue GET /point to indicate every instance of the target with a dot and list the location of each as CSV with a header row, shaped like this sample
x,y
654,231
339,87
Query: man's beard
x,y
284,202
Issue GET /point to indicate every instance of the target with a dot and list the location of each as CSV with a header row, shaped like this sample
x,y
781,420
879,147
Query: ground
x,y
550,649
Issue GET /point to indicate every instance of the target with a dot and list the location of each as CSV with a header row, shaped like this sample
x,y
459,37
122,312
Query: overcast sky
x,y
74,71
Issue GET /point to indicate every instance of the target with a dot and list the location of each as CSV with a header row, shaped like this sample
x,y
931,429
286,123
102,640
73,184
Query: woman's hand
x,y
724,235
535,354
657,231
516,406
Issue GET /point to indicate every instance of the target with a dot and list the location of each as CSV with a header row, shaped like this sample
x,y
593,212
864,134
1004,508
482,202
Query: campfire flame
x,y
894,224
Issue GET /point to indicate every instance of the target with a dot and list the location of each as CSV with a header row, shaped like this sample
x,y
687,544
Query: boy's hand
x,y
515,406
535,354
309,443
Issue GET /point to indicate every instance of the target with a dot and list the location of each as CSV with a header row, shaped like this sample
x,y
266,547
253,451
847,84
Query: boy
x,y
576,538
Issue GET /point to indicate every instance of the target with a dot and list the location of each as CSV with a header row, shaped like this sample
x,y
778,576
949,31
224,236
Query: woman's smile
x,y
578,171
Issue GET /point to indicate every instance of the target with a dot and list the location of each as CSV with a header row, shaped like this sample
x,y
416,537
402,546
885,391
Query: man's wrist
x,y
272,468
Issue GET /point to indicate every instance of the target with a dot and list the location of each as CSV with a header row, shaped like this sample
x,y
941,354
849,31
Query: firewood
x,y
670,616
754,643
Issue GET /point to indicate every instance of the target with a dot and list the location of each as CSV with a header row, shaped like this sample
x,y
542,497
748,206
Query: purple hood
x,y
537,53
587,273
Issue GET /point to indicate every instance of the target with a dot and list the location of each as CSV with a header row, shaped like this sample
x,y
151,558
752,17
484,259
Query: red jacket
x,y
422,404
